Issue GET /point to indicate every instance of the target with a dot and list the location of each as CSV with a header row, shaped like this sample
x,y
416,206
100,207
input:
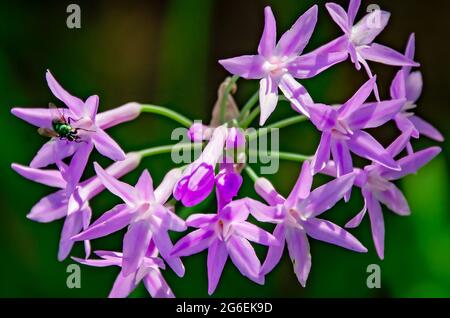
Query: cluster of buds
x,y
149,213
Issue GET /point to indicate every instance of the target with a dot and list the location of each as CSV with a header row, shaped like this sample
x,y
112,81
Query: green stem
x,y
167,149
226,92
251,173
248,120
159,110
248,106
283,155
279,124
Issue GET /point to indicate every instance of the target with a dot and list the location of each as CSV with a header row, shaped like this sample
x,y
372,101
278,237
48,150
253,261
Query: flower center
x,y
341,130
407,107
275,66
224,230
294,218
376,182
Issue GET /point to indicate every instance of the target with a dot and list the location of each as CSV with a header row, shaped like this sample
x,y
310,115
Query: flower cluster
x,y
149,213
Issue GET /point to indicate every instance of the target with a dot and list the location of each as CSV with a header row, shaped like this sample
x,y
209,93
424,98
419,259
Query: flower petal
x,y
144,187
169,220
295,40
111,221
235,211
373,115
269,36
157,285
323,116
325,197
339,16
364,145
74,103
217,257
123,285
52,151
165,247
354,103
50,208
51,178
412,163
268,97
376,221
90,107
302,187
385,55
357,219
39,117
73,224
98,262
78,164
398,89
194,242
264,213
409,52
353,8
246,66
326,231
296,94
107,146
426,129
319,60
124,191
135,243
118,115
394,199
244,258
164,190
266,190
255,234
298,247
322,154
368,28
200,220
275,251
414,86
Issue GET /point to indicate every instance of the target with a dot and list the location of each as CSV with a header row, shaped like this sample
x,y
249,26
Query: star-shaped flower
x,y
360,37
343,130
408,85
72,200
145,215
276,64
297,218
148,272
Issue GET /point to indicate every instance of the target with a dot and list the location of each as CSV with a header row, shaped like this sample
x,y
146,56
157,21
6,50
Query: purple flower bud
x,y
197,180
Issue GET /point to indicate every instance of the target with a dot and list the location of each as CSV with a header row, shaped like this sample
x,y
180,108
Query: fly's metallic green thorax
x,y
62,129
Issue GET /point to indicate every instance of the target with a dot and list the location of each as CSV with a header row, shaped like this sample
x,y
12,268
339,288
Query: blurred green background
x,y
166,52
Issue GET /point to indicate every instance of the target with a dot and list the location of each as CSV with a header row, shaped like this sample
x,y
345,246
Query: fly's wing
x,y
56,113
46,132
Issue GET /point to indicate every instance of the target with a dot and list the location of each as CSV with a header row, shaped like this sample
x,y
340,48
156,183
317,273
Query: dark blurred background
x,y
165,53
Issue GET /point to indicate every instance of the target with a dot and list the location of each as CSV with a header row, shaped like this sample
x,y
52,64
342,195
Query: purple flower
x,y
342,130
224,234
148,272
360,37
276,65
376,186
197,180
408,85
73,204
83,117
297,219
145,215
